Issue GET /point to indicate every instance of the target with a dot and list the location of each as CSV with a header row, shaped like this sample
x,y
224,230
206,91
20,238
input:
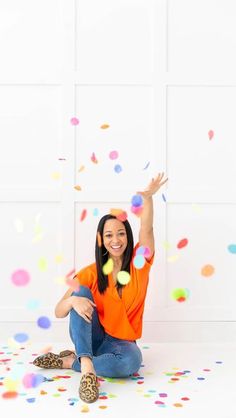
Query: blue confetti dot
x,y
118,168
163,197
21,337
137,200
30,400
43,322
232,248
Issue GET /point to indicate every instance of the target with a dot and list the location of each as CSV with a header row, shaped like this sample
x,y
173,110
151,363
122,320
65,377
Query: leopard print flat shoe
x,y
51,360
88,389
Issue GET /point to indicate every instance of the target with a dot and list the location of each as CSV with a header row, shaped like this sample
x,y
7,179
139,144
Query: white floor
x,y
176,380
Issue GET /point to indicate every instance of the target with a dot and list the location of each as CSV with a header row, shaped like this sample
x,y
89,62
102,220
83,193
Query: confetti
x,y
123,277
71,272
142,250
74,121
9,395
44,322
82,167
232,248
73,284
95,212
83,215
146,166
93,158
20,278
182,243
21,337
180,295
108,267
105,126
210,134
32,380
163,197
118,168
113,155
58,259
77,187
139,261
136,210
43,264
207,270
56,175
137,200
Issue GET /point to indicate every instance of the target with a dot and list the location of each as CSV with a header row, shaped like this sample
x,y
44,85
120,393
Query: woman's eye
x,y
122,234
108,236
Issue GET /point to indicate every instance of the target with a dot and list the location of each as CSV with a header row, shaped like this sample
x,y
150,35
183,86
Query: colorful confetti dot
x,y
118,168
123,277
210,134
21,337
180,295
83,215
74,121
232,248
139,261
207,270
20,278
9,395
94,158
146,166
182,243
113,155
78,188
108,267
137,200
44,322
105,126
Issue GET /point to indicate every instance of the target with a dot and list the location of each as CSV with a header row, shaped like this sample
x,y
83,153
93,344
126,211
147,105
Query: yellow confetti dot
x,y
102,406
105,126
166,245
123,277
56,175
84,408
178,405
82,167
108,267
42,264
173,258
11,384
59,259
77,187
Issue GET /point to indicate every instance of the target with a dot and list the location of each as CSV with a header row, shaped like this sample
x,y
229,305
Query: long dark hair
x,y
101,253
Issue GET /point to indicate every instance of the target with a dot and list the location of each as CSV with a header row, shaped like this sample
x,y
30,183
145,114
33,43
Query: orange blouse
x,y
121,317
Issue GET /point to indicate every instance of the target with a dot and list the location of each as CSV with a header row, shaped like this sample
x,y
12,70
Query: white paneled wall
x,y
161,75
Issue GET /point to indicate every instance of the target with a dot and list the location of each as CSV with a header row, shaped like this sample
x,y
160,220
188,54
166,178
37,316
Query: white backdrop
x,y
160,75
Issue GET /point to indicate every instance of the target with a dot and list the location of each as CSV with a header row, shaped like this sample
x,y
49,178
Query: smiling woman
x,y
106,312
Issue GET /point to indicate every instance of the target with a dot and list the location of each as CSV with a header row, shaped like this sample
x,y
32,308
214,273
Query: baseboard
x,y
155,332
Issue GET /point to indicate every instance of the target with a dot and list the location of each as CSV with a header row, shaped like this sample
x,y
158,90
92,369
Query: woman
x,y
105,315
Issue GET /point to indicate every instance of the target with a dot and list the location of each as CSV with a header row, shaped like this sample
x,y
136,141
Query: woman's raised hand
x,y
154,185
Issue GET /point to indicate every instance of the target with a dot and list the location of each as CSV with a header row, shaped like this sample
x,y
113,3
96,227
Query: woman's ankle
x,y
86,365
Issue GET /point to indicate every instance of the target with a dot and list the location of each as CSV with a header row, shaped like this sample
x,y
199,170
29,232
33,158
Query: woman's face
x,y
114,237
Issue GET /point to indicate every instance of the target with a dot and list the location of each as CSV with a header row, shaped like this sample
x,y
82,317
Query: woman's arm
x,y
146,236
82,305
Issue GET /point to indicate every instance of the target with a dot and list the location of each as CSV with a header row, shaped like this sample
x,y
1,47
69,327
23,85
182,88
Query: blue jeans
x,y
111,357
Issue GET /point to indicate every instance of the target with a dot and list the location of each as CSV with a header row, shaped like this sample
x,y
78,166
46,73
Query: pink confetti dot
x,y
20,278
113,155
210,134
74,121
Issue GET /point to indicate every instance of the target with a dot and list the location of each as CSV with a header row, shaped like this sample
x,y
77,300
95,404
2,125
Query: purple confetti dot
x,y
44,322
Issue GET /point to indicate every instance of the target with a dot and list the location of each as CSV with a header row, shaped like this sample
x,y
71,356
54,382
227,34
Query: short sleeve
x,y
85,277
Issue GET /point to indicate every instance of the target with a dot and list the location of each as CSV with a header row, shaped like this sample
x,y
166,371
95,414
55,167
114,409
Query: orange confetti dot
x,y
99,239
105,126
77,188
102,406
207,270
9,395
82,167
178,405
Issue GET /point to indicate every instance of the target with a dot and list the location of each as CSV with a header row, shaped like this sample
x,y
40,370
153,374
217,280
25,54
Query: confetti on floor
x,y
197,374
